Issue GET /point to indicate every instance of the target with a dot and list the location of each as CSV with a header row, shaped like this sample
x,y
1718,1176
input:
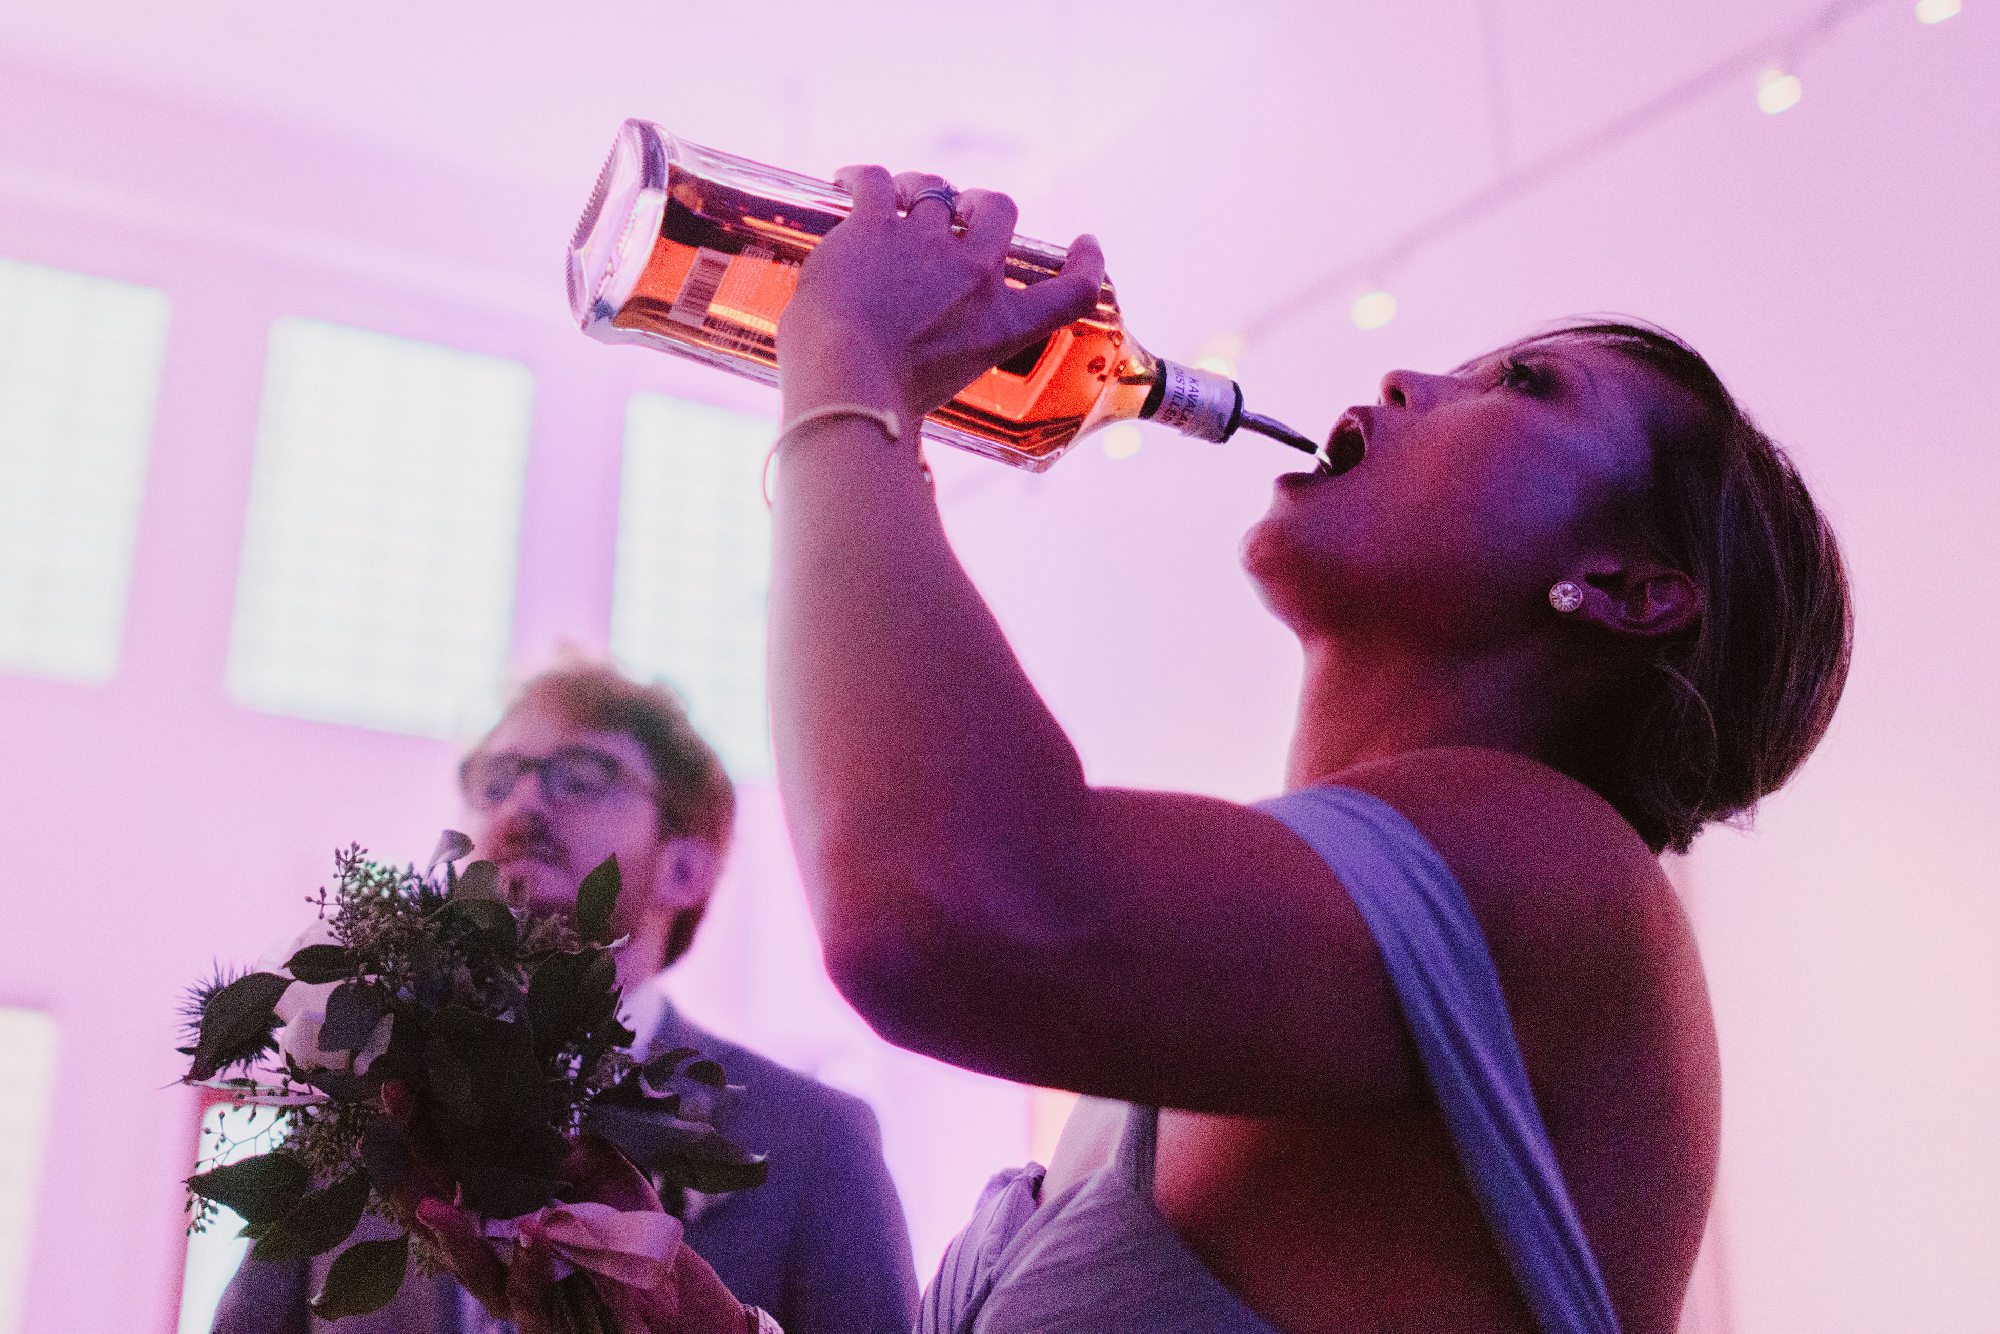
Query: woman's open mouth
x,y
1346,446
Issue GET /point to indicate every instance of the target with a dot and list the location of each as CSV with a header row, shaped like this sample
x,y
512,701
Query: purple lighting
x,y
410,173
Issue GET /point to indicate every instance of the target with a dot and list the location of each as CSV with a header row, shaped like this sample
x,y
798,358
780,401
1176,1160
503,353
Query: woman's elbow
x,y
869,914
904,955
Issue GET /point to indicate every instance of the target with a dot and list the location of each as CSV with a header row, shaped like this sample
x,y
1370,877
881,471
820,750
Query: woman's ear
x,y
1640,599
685,875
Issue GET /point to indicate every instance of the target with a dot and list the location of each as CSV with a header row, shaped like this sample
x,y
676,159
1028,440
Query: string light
x,y
1373,309
1121,441
1781,92
1778,91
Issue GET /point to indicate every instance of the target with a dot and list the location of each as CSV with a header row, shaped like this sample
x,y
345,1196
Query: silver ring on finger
x,y
944,194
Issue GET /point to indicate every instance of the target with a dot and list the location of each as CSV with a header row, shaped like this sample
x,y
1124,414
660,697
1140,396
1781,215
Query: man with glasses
x,y
587,764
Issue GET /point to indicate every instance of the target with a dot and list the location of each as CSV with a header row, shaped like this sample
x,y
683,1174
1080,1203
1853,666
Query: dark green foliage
x,y
338,1084
501,1114
482,914
452,1100
660,1072
236,1024
352,1012
596,902
504,1043
429,974
195,1002
681,1153
562,998
480,880
321,963
317,1223
363,1278
385,1152
260,1189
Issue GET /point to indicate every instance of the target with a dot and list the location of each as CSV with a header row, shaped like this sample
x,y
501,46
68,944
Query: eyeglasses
x,y
572,776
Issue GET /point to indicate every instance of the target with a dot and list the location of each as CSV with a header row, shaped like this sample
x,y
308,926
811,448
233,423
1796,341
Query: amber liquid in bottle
x,y
697,252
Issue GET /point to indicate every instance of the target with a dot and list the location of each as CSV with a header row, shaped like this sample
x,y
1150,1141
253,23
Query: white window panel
x,y
377,582
693,567
229,1133
27,1086
79,372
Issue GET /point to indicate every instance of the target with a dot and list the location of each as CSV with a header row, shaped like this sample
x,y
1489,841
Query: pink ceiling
x,y
1344,122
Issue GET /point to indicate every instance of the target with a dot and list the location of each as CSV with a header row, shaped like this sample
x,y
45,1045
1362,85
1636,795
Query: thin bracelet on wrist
x,y
882,417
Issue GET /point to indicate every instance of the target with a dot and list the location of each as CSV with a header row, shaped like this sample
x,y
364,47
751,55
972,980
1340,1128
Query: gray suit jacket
x,y
822,1244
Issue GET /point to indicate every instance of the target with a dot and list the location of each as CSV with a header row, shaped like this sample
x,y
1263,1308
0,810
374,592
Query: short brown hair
x,y
1728,709
694,795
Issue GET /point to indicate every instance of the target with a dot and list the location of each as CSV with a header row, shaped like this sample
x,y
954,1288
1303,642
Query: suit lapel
x,y
665,1030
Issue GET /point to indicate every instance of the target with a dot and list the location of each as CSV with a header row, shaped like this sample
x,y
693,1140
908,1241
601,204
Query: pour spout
x,y
1277,430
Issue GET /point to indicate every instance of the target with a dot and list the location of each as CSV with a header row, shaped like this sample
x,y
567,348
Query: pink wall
x,y
1837,262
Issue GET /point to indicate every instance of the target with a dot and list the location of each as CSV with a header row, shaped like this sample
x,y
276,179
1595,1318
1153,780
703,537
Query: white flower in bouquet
x,y
303,1010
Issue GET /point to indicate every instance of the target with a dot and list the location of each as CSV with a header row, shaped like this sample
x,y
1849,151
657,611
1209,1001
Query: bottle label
x,y
752,285
1197,403
698,289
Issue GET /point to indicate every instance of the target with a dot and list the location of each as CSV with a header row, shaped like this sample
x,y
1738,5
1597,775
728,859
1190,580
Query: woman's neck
x,y
1357,707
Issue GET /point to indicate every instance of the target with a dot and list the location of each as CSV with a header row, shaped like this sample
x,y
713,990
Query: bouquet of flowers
x,y
425,1041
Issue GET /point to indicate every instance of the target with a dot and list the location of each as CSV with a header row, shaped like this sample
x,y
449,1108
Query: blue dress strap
x,y
1450,997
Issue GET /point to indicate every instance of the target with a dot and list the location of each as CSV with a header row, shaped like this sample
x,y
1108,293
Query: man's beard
x,y
538,887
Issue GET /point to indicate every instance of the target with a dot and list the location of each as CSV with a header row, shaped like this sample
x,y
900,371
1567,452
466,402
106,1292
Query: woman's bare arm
x,y
977,899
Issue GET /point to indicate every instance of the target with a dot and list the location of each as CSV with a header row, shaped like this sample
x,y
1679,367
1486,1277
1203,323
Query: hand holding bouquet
x,y
461,1072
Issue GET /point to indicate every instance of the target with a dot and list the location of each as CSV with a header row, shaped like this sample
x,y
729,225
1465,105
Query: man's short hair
x,y
695,798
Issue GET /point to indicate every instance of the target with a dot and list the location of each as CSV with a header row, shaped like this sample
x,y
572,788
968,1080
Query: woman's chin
x,y
1279,548
1273,566
1254,551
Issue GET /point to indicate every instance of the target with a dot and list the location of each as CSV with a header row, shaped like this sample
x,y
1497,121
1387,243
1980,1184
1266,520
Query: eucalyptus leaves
x,y
425,1041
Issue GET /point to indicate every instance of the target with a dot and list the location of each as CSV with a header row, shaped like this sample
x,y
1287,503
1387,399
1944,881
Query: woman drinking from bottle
x,y
1421,1044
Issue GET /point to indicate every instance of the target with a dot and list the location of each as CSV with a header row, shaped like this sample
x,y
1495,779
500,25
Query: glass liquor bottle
x,y
696,252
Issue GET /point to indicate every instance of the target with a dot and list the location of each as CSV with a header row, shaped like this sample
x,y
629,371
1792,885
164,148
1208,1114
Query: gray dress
x,y
1101,1257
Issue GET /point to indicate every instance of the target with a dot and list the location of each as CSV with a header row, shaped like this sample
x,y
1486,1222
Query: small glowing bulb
x,y
1778,91
1936,11
1122,441
1220,354
1374,309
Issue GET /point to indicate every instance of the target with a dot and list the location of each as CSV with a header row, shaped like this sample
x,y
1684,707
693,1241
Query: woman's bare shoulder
x,y
1493,814
1591,943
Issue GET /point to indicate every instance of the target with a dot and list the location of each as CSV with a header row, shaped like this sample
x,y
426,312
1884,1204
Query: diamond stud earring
x,y
1565,597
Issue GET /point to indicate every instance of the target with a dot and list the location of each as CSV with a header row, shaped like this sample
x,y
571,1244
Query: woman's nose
x,y
1414,389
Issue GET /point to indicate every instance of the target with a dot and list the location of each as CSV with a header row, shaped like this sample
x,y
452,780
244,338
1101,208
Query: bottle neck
x,y
1194,402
